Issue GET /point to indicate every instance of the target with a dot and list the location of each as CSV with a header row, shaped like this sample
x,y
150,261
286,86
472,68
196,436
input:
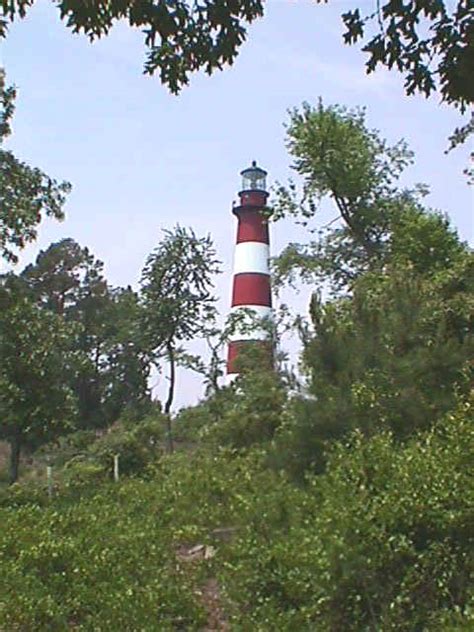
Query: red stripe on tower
x,y
251,288
251,281
252,226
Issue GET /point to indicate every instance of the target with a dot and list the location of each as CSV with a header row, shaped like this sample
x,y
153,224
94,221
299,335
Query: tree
x,y
68,280
26,193
36,400
251,410
393,355
389,348
177,300
127,369
62,276
430,43
338,157
180,37
381,541
242,321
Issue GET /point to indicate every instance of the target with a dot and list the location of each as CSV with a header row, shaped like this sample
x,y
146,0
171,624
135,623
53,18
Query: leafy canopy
x,y
180,37
177,283
390,346
429,43
27,195
176,298
337,157
112,375
36,400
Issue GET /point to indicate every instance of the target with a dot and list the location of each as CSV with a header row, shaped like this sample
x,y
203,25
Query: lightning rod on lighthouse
x,y
251,280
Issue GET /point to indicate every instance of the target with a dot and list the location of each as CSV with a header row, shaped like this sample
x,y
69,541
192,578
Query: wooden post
x,y
49,479
116,468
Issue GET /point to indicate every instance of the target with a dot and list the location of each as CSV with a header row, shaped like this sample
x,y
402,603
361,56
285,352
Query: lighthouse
x,y
251,280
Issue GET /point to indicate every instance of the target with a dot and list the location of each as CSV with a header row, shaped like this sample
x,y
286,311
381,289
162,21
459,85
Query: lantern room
x,y
254,178
254,192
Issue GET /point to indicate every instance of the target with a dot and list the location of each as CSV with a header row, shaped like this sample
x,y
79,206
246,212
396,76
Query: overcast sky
x,y
141,160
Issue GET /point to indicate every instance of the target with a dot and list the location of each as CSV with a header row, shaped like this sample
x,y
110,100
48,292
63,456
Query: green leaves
x,y
390,347
27,195
110,370
36,400
180,37
176,288
104,561
176,298
337,156
411,35
381,541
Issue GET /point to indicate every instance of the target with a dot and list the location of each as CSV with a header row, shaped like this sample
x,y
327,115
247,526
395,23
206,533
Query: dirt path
x,y
209,593
211,600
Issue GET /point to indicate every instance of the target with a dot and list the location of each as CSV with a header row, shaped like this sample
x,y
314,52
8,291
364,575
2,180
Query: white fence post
x,y
49,479
116,468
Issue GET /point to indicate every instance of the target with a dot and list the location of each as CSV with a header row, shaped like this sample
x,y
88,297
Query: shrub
x,y
386,542
137,445
101,563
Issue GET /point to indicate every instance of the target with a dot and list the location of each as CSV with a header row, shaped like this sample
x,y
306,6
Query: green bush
x,y
137,445
20,494
80,473
250,413
381,541
384,544
100,564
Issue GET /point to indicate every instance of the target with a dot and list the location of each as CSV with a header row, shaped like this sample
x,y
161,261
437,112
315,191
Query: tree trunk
x,y
214,377
15,449
169,401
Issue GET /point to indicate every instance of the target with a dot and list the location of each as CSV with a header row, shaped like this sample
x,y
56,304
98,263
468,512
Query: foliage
x,y
180,37
84,456
429,43
390,347
183,37
137,446
393,355
36,401
375,535
411,35
381,541
248,412
191,421
126,367
101,563
112,376
337,156
177,303
63,275
108,557
26,193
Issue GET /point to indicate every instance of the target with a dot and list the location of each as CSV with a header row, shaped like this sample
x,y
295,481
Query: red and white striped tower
x,y
251,282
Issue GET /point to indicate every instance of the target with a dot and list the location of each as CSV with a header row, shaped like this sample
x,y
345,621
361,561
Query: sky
x,y
141,160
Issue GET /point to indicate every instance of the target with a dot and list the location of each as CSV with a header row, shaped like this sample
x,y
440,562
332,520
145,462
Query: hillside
x,y
216,540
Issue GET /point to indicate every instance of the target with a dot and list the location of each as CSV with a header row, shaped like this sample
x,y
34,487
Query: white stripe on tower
x,y
251,281
257,314
251,256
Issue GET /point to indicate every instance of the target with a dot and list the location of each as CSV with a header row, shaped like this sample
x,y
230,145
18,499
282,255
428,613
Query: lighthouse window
x,y
253,181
